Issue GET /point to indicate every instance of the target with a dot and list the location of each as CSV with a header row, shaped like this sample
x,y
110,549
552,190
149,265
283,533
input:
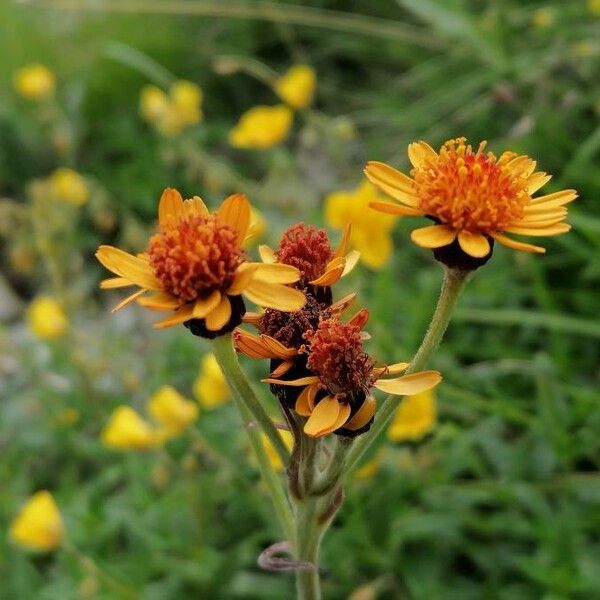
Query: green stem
x,y
331,476
454,281
308,540
251,411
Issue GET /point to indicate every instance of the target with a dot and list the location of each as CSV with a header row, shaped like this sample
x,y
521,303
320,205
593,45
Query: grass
x,y
502,500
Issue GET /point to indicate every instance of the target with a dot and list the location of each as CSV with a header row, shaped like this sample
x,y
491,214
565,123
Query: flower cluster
x,y
320,370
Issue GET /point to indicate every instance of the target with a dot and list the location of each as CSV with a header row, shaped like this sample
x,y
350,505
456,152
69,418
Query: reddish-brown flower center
x,y
469,190
338,357
290,328
306,248
199,255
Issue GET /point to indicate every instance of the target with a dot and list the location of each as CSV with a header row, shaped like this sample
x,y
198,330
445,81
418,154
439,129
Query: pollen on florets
x,y
338,357
471,191
307,248
290,328
198,255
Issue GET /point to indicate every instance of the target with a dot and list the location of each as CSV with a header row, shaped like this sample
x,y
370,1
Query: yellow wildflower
x,y
415,418
257,229
68,186
46,318
542,18
127,430
67,416
297,86
288,440
370,468
38,525
262,127
371,231
186,98
153,103
210,388
34,82
594,6
169,408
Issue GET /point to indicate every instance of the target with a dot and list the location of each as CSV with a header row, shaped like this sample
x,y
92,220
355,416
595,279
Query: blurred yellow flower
x,y
415,418
67,416
594,6
34,82
210,387
297,86
542,18
171,113
68,186
258,227
371,231
171,410
262,127
46,319
38,525
288,440
127,430
370,468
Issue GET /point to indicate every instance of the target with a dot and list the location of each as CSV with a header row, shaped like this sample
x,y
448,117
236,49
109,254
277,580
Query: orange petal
x,y
474,244
333,272
341,249
282,369
235,211
182,315
242,278
363,415
392,182
251,345
204,306
342,304
278,350
419,153
274,295
294,382
136,270
408,385
170,207
325,416
306,400
433,236
360,318
515,245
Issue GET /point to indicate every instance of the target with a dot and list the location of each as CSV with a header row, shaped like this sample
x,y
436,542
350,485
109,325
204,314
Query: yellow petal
x,y
521,166
515,245
306,400
159,301
536,181
325,416
204,306
195,207
352,259
392,182
341,249
474,244
235,211
130,267
242,278
294,382
363,415
420,152
182,315
219,316
564,197
128,300
433,236
390,369
115,282
396,209
545,231
170,207
275,273
274,295
267,254
332,273
409,384
282,369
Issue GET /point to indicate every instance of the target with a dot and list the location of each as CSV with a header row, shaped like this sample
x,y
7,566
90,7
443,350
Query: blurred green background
x,y
502,498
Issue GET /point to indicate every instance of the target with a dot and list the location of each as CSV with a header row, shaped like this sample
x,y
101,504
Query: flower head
x,y
371,230
210,387
171,410
46,318
38,525
34,82
68,186
262,127
474,198
297,86
336,395
127,430
414,418
195,266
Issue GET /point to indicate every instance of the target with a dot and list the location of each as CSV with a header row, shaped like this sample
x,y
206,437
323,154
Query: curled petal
x,y
360,318
306,400
294,382
252,345
219,316
182,315
363,415
267,254
242,278
474,244
408,385
204,306
326,417
332,273
341,249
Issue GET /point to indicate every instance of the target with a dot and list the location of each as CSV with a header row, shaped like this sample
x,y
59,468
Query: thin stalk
x,y
308,540
246,403
454,281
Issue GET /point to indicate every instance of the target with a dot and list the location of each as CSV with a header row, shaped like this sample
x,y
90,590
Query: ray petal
x,y
170,208
133,268
182,315
557,229
126,301
536,181
242,278
219,316
396,209
203,306
433,236
515,245
363,415
392,182
474,244
565,196
274,295
275,273
324,416
408,385
115,283
235,211
159,301
267,254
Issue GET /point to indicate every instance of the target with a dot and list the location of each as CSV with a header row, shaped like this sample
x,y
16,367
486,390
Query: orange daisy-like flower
x,y
336,395
308,249
474,198
195,268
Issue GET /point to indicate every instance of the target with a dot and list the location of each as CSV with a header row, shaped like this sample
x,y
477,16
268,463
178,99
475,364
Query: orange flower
x,y
336,396
474,198
196,268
